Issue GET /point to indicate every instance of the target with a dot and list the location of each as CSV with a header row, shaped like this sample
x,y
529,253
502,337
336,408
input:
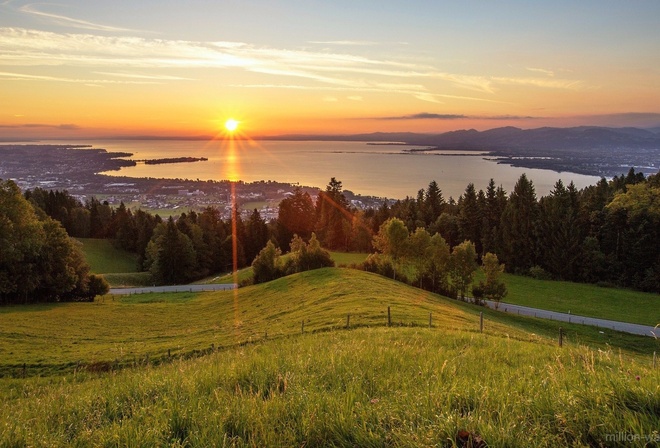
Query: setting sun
x,y
231,125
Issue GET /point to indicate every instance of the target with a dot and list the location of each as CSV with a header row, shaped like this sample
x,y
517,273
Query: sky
x,y
75,68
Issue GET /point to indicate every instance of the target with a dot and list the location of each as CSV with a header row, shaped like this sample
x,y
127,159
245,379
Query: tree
x,y
463,267
392,240
438,266
256,235
38,260
469,216
418,246
433,203
170,255
307,256
265,266
493,287
296,216
519,227
333,219
560,236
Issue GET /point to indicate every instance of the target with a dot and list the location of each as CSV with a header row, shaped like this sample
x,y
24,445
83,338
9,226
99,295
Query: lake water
x,y
374,170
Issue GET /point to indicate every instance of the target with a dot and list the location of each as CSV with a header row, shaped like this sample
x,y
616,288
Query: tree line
x,y
606,233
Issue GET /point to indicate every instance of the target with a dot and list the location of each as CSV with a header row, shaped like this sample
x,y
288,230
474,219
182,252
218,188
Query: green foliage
x,y
392,241
518,223
463,266
170,255
333,218
38,260
266,266
296,216
493,288
307,256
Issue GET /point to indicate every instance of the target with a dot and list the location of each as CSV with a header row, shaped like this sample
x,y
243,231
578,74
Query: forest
x,y
606,233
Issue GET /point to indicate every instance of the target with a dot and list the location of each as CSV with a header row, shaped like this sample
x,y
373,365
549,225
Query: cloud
x,y
355,98
143,76
9,76
130,59
567,84
344,42
426,116
433,116
68,21
541,70
330,99
63,127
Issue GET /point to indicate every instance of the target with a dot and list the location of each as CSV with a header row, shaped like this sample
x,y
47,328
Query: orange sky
x,y
82,69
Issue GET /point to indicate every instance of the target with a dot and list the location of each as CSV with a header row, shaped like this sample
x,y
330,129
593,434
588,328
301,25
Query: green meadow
x,y
104,258
276,365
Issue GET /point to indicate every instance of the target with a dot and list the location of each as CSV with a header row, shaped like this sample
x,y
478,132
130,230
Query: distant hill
x,y
507,138
592,150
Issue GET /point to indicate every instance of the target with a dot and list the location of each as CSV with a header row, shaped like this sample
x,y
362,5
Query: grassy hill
x,y
370,385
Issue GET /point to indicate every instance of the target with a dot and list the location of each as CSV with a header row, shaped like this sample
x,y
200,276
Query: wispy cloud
x,y
541,70
9,76
64,127
344,42
67,21
434,116
566,84
135,58
145,76
426,116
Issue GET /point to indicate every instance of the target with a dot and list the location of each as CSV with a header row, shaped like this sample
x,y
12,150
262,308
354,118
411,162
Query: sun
x,y
231,125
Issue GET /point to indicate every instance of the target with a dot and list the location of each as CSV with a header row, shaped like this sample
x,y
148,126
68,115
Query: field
x,y
321,385
584,299
104,258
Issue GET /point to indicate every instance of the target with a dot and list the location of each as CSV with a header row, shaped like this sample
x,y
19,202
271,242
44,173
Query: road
x,y
571,318
175,288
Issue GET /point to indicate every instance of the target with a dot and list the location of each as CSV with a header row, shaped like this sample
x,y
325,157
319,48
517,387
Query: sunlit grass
x,y
127,330
584,299
364,387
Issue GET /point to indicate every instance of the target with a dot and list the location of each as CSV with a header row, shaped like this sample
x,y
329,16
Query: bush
x,y
538,273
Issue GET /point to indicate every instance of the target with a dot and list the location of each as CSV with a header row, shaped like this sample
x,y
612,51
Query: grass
x,y
348,258
584,299
104,258
55,338
235,369
129,279
397,387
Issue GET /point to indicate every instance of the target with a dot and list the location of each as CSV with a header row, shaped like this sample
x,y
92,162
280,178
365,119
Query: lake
x,y
374,170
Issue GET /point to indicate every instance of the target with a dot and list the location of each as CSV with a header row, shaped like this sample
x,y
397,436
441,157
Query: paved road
x,y
571,318
176,288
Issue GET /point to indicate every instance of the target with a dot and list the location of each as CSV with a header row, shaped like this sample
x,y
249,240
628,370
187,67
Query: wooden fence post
x,y
302,327
389,317
481,321
561,337
24,370
430,320
348,320
169,354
